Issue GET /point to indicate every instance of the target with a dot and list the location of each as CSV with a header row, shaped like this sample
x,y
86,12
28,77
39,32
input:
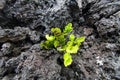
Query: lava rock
x,y
105,26
6,49
34,36
3,70
2,4
34,67
98,20
101,9
17,34
44,13
13,34
31,65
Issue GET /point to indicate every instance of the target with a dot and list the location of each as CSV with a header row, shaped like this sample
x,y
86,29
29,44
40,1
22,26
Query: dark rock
x,y
31,65
12,63
8,77
67,73
44,13
105,26
22,58
34,67
101,9
18,34
3,70
3,19
117,76
35,48
13,35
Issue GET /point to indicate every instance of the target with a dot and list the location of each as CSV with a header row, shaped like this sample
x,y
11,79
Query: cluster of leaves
x,y
64,41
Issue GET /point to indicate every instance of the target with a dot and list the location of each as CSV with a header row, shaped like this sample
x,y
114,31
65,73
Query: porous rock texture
x,y
24,23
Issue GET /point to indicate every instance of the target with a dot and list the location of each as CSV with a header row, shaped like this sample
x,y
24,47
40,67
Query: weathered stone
x,y
6,49
34,36
2,4
105,26
18,34
102,9
88,31
97,59
35,67
13,34
44,13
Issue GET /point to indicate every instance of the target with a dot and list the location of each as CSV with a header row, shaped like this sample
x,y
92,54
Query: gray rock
x,y
35,47
6,49
34,36
105,26
2,71
117,76
13,34
79,3
97,19
3,19
17,34
44,13
102,9
8,77
5,78
35,67
2,4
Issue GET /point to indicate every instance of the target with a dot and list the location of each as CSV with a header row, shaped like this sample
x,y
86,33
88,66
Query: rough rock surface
x,y
24,23
18,34
42,13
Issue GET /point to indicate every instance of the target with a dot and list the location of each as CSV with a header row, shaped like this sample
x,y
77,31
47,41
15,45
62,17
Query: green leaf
x,y
61,48
45,44
72,49
80,40
56,43
75,49
72,37
42,44
61,39
69,43
50,38
56,31
68,28
67,59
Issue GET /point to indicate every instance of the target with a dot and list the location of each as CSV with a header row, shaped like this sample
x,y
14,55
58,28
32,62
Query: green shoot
x,y
59,41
